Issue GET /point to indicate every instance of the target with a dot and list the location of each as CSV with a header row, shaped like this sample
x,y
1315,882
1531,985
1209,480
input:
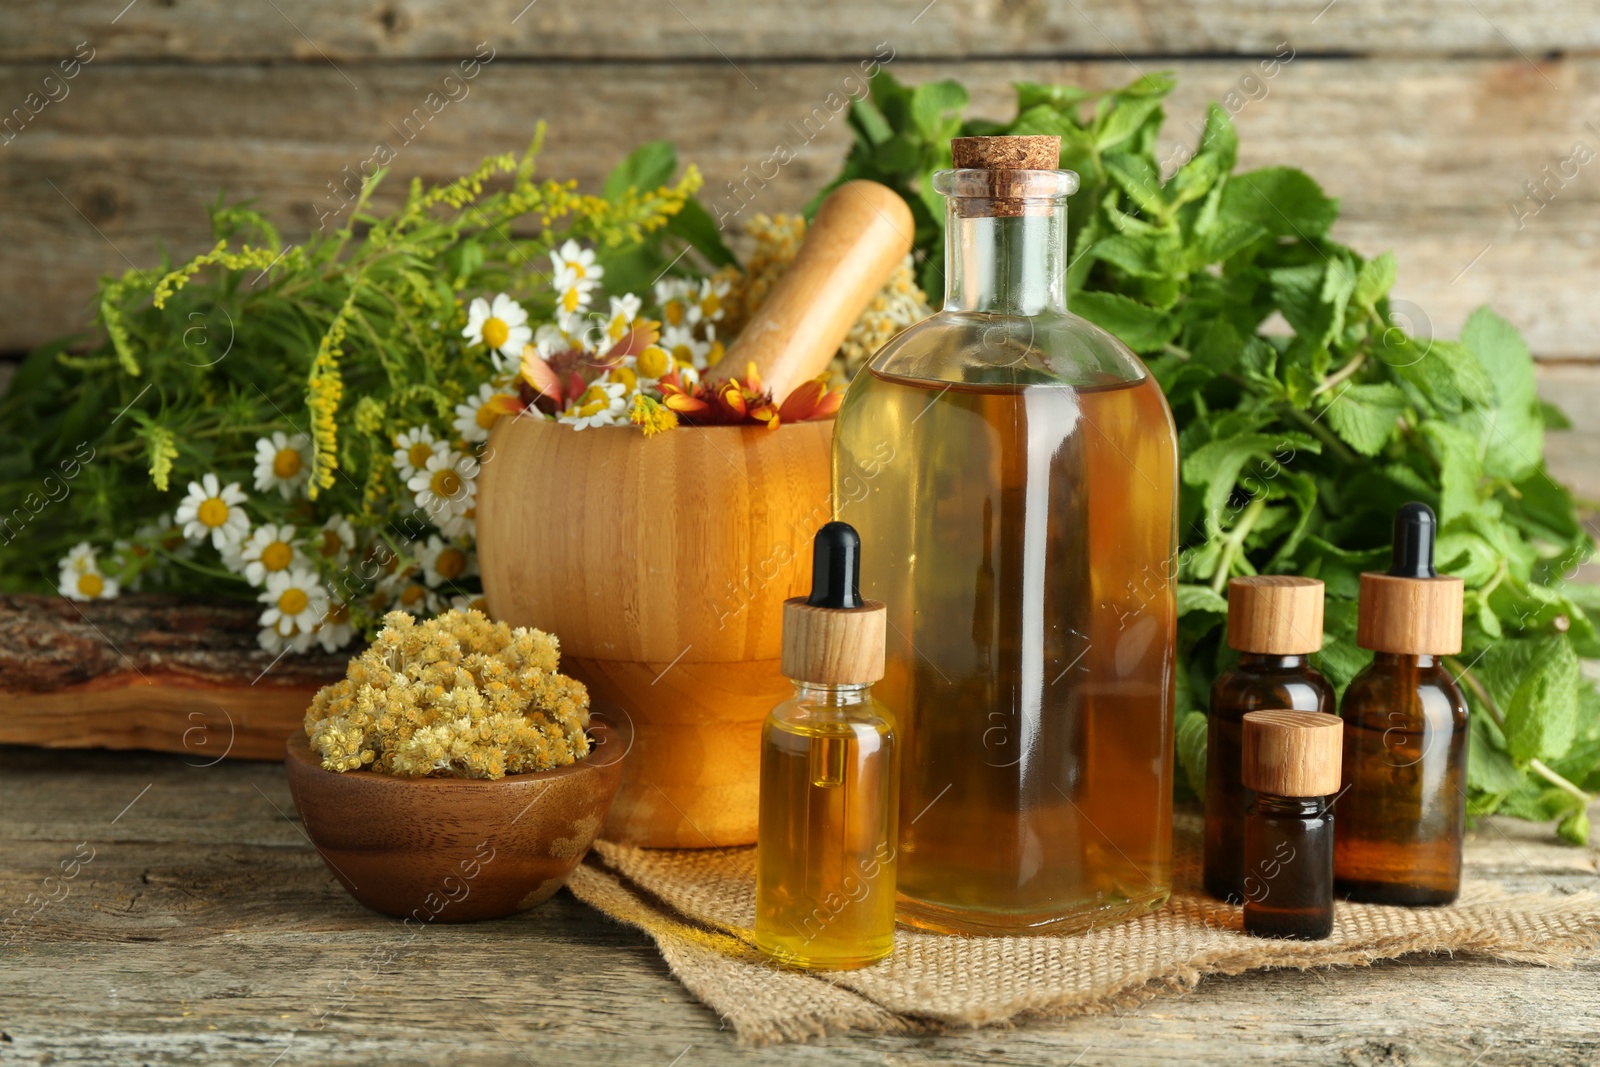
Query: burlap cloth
x,y
699,906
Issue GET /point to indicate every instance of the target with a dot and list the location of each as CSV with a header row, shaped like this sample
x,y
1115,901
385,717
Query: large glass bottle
x,y
1012,470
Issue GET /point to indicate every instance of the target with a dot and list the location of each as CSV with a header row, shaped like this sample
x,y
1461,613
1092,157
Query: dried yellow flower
x,y
457,695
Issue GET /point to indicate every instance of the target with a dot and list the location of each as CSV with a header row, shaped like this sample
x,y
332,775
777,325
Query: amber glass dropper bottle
x,y
825,853
1403,810
1275,623
1291,763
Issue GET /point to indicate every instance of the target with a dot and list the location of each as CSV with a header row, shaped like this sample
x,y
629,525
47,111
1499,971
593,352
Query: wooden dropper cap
x,y
1275,614
833,637
1411,610
1292,753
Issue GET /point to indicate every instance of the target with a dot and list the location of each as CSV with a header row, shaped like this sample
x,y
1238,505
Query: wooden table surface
x,y
200,926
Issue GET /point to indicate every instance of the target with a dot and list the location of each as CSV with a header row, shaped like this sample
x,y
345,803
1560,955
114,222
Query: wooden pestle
x,y
861,232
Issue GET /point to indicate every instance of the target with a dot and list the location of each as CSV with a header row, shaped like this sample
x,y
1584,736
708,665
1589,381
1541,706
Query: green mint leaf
x,y
1064,98
1460,469
1192,749
1489,766
1364,416
1281,200
1138,177
1511,430
936,109
1141,328
1375,280
1200,598
1534,683
869,121
1574,828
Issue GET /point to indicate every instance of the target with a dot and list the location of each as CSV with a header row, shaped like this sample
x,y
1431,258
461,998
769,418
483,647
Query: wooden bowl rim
x,y
603,737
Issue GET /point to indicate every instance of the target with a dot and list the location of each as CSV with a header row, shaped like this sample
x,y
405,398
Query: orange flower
x,y
811,400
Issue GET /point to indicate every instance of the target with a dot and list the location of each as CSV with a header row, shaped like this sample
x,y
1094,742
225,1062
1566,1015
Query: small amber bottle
x,y
1291,763
1403,811
1275,623
825,853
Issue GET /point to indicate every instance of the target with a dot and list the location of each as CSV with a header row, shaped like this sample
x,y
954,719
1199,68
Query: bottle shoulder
x,y
1421,692
823,713
1242,690
969,347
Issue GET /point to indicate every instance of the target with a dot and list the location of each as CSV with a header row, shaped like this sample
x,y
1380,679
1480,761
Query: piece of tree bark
x,y
150,671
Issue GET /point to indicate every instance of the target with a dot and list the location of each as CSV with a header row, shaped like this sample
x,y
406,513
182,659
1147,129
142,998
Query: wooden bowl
x,y
455,849
663,564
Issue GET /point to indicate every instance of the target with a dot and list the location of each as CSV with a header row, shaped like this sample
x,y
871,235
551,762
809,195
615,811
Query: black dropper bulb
x,y
836,567
1414,530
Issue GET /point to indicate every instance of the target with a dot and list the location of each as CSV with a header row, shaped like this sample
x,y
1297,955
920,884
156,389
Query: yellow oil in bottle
x,y
1021,538
825,877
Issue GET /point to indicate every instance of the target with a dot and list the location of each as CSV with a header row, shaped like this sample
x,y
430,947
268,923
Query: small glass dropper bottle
x,y
1403,812
1275,623
1291,760
825,853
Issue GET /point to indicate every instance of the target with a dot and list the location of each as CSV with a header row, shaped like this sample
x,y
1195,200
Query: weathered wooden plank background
x,y
1427,119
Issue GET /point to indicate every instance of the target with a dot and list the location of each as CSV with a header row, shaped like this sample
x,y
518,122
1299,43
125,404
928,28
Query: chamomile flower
x,y
624,310
443,562
414,598
214,510
283,463
336,540
413,449
575,276
296,640
572,263
602,404
81,578
677,299
474,419
653,363
446,487
268,550
335,631
232,555
461,527
476,603
501,327
713,294
685,349
296,602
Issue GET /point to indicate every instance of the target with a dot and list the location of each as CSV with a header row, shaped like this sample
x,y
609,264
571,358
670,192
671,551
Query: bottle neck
x,y
1404,659
832,695
1273,661
1298,807
1007,264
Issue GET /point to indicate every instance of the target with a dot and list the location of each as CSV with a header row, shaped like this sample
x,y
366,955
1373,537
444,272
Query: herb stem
x,y
1341,375
1321,433
1233,544
1539,767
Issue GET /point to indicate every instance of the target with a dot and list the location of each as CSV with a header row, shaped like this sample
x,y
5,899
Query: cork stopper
x,y
1411,610
1292,753
1040,152
1275,614
833,636
1022,176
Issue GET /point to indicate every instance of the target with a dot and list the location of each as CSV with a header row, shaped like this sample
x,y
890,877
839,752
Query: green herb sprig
x,y
1306,413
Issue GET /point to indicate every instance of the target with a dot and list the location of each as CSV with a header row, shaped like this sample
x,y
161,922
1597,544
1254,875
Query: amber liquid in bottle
x,y
1288,877
1402,814
1012,470
1021,541
1259,681
825,872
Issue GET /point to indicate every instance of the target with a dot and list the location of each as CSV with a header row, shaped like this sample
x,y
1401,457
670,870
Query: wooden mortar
x,y
663,563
